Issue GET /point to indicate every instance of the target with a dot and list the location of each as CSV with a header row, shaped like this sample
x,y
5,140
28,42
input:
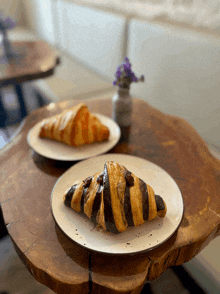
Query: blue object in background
x,y
6,23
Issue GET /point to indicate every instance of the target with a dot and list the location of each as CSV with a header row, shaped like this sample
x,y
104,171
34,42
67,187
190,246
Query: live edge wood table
x,y
27,180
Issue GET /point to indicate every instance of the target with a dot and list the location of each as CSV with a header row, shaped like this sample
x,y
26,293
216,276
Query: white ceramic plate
x,y
61,151
134,239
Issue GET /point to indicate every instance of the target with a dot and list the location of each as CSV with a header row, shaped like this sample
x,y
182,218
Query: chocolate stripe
x,y
84,192
109,220
129,179
144,193
127,207
69,195
87,182
96,204
159,203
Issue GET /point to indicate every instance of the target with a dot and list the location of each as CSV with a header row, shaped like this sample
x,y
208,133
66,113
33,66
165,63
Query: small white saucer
x,y
60,151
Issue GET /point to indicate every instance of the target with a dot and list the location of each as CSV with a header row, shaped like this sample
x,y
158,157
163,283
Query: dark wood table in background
x,y
27,180
32,60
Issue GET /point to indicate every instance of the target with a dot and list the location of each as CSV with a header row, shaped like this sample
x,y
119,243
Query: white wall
x,y
13,8
182,71
40,18
94,37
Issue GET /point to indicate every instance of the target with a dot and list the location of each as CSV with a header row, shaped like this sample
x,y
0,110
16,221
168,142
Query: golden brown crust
x,y
136,202
116,180
162,213
75,127
92,193
152,203
116,199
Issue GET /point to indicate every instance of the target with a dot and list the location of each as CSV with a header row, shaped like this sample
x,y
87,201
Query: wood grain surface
x,y
27,180
32,60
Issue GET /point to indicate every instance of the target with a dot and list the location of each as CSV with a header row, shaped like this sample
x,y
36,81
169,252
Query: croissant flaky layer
x,y
115,199
76,127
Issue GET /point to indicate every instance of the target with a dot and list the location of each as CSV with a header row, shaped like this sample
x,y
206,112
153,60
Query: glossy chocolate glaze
x,y
129,179
100,179
109,220
69,195
82,202
144,193
159,202
87,182
96,204
127,207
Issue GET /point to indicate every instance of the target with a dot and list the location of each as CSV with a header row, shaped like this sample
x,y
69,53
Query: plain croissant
x,y
115,199
76,126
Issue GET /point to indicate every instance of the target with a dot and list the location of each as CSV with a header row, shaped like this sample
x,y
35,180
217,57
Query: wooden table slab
x,y
27,180
33,60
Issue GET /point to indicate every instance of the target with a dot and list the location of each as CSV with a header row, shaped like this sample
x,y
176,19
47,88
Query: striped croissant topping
x,y
75,126
115,199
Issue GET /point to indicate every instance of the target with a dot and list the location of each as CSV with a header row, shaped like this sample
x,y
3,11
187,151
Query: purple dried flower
x,y
10,23
6,23
118,72
125,76
127,64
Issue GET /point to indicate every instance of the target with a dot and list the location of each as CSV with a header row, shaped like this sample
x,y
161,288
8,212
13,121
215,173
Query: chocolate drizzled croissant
x,y
75,126
115,199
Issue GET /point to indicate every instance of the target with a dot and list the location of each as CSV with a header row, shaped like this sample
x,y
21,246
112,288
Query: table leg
x,y
20,95
40,101
3,229
3,115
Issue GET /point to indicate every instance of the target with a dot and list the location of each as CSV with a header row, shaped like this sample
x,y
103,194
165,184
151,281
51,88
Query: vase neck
x,y
123,92
4,33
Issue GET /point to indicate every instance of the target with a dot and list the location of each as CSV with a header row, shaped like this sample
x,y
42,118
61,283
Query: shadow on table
x,y
98,260
57,168
74,251
50,166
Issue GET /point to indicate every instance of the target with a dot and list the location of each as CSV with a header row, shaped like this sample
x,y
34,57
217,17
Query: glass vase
x,y
122,107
